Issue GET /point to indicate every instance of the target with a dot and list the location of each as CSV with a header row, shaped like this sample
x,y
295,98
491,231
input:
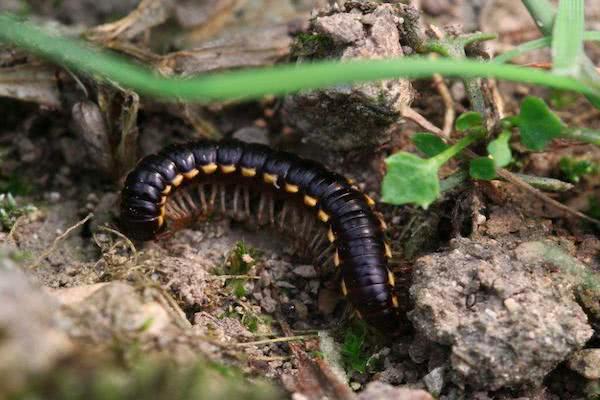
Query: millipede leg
x,y
202,195
236,200
319,258
271,205
222,190
283,215
174,208
213,196
190,204
246,193
261,209
315,240
308,227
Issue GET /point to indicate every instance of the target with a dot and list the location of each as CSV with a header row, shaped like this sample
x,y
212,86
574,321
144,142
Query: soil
x,y
499,287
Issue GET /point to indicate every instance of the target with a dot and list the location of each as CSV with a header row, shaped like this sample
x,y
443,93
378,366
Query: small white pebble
x,y
511,305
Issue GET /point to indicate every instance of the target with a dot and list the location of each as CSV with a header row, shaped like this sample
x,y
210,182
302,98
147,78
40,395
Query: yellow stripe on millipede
x,y
191,174
388,250
330,235
336,258
248,172
209,168
391,279
227,169
323,216
291,188
270,178
177,180
310,201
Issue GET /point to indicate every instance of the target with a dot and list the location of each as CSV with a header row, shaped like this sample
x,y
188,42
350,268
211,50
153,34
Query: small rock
x,y
252,134
301,310
52,197
419,349
586,362
286,285
345,28
392,374
305,271
434,381
268,304
493,346
383,391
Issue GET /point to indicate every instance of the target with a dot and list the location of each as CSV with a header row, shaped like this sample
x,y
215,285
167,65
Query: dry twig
x,y
420,120
54,245
450,113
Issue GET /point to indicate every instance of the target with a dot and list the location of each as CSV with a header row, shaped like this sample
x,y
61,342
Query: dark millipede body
x,y
332,218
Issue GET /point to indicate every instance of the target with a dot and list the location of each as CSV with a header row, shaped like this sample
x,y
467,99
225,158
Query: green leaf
x,y
482,168
410,179
429,144
538,124
468,120
567,38
499,149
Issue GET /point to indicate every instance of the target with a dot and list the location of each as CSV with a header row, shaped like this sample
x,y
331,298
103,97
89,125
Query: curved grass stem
x,y
259,82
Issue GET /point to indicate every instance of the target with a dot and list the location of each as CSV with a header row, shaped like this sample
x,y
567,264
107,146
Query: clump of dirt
x,y
350,117
507,323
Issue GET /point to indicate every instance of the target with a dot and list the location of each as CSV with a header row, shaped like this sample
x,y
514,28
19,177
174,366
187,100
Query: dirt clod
x,y
507,322
31,341
351,116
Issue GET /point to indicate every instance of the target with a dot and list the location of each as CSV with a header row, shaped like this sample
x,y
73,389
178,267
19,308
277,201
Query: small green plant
x,y
411,179
240,259
10,211
353,351
593,209
238,262
574,169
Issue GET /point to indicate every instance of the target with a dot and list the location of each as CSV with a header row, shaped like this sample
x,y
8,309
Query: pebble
x,y
52,197
434,381
305,271
586,362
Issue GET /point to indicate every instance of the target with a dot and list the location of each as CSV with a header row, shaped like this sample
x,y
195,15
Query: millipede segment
x,y
183,182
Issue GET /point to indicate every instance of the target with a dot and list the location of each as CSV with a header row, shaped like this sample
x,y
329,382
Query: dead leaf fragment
x,y
35,83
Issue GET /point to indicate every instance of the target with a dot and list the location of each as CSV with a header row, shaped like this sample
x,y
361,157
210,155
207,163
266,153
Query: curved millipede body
x,y
253,182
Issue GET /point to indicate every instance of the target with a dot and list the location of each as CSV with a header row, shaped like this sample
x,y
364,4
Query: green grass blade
x,y
522,49
537,44
255,83
542,12
567,38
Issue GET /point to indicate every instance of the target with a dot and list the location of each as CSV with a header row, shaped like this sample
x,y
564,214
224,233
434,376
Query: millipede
x,y
251,182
